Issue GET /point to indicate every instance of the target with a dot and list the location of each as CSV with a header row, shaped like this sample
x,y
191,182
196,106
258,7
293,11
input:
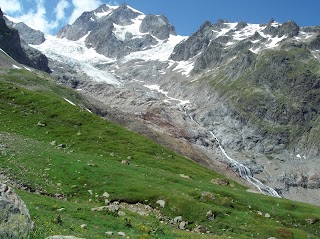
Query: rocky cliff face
x,y
157,26
26,33
11,43
194,45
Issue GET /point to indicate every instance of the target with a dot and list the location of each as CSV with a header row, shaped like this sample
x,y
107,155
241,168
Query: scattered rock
x,y
161,203
106,202
207,196
114,207
112,154
129,157
41,124
61,209
84,226
105,195
121,213
61,146
109,233
259,213
122,234
53,143
199,229
210,215
92,165
185,176
272,238
90,192
311,220
220,181
182,225
141,209
177,219
99,209
125,162
267,215
63,237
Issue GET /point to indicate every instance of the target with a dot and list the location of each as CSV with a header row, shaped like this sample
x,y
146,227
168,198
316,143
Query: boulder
x,y
114,207
126,162
121,213
105,195
210,215
207,196
182,225
99,209
15,219
161,203
177,219
220,181
84,226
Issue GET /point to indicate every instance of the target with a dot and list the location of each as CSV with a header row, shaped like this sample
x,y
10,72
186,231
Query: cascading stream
x,y
243,171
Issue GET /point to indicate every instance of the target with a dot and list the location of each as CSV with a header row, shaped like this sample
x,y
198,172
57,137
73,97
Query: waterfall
x,y
243,171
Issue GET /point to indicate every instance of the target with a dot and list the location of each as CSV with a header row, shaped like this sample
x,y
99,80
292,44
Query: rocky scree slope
x,y
254,86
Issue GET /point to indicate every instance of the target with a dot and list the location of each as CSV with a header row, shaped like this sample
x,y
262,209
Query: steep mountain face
x,y
26,33
104,30
246,90
19,50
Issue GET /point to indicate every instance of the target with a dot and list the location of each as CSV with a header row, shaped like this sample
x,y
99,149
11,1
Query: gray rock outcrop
x,y
157,26
211,57
15,221
289,29
36,58
26,33
79,28
11,43
195,44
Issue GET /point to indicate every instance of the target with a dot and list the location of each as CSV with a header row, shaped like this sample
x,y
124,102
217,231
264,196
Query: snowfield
x,y
76,54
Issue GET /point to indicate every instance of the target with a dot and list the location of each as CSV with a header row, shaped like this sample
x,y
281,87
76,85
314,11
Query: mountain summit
x,y
118,31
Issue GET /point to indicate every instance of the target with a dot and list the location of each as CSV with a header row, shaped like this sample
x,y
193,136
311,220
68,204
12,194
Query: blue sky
x,y
186,15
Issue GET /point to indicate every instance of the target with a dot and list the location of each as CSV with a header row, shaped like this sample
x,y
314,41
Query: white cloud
x,y
10,6
81,6
60,9
37,18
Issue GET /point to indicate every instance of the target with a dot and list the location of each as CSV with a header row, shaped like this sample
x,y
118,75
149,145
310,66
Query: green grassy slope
x,y
33,114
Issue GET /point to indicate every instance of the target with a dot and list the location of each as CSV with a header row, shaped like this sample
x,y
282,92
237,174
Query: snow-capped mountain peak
x,y
124,34
104,10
